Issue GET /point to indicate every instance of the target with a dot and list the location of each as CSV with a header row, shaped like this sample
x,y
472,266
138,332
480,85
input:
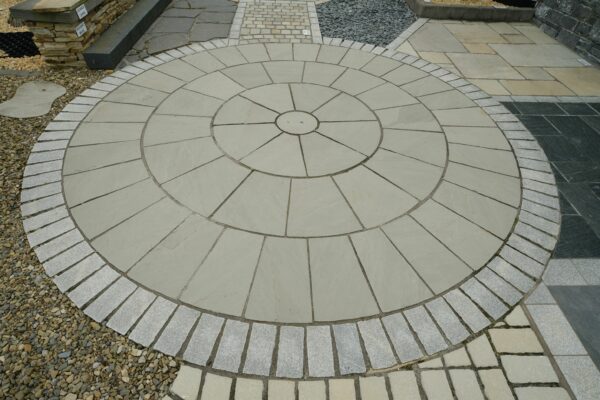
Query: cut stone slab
x,y
32,99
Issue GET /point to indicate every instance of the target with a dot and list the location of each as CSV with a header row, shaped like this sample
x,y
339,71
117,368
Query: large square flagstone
x,y
484,66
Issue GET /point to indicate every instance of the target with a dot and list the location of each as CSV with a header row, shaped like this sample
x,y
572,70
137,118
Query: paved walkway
x,y
300,209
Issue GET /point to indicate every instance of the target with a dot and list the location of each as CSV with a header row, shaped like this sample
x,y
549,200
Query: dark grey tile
x,y
577,239
595,106
216,17
560,148
538,125
593,122
181,12
579,171
557,175
172,25
539,108
596,189
565,207
577,109
579,133
580,304
580,195
202,32
511,107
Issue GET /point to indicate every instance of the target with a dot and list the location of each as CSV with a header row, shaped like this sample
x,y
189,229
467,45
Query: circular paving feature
x,y
303,185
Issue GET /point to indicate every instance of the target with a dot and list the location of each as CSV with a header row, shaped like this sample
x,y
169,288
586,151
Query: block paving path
x,y
292,210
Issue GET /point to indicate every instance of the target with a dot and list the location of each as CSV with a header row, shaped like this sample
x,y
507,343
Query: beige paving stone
x,y
309,97
239,110
385,96
582,81
465,384
535,34
404,74
355,82
170,128
223,279
204,61
281,156
279,51
474,245
373,388
317,208
305,51
542,393
216,387
85,158
373,199
495,385
415,177
259,205
125,244
536,88
435,37
284,71
434,57
517,39
414,116
479,48
404,385
394,282
483,66
457,358
537,55
381,65
521,340
528,369
353,134
281,390
331,54
240,140
248,75
502,27
426,254
356,58
436,385
432,363
425,86
464,117
228,55
481,352
323,156
180,70
488,213
492,138
446,100
322,74
168,267
429,147
186,102
408,49
136,95
157,80
344,108
490,86
312,390
331,258
117,112
254,52
517,317
534,73
474,33
106,132
500,161
341,389
248,389
187,383
281,288
204,189
216,85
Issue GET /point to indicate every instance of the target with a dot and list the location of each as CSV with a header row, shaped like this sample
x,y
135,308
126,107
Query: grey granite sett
x,y
562,272
582,376
499,286
88,100
511,274
50,145
45,156
79,272
545,177
34,169
45,218
589,268
58,135
426,330
319,351
521,261
484,298
92,286
540,187
290,355
231,346
58,245
62,126
401,337
152,322
50,231
454,330
541,198
260,349
176,331
70,116
541,211
540,295
530,154
347,343
108,301
203,339
556,330
70,257
376,343
539,223
536,236
41,179
467,310
124,318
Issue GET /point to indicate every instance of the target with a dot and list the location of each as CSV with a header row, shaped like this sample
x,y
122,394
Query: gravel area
x,y
377,22
48,348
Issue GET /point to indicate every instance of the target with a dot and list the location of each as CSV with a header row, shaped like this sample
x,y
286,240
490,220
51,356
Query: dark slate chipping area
x,y
377,22
18,44
569,133
580,304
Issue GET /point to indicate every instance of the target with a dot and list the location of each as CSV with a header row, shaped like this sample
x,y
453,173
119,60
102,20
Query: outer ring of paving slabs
x,y
387,310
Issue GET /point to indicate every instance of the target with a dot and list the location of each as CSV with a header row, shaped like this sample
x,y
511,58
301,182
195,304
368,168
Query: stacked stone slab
x,y
576,23
53,24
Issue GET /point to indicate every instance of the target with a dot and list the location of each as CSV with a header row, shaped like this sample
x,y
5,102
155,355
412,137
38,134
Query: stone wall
x,y
576,23
59,44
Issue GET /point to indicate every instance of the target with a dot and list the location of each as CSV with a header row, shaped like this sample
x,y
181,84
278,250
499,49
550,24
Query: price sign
x,y
81,11
80,29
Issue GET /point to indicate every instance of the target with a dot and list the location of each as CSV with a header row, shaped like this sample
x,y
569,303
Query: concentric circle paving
x,y
301,185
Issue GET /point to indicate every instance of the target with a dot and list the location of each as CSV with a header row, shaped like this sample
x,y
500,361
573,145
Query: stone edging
x,y
549,99
325,350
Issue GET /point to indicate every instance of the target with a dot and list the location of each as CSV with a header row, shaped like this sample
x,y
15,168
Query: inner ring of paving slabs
x,y
206,180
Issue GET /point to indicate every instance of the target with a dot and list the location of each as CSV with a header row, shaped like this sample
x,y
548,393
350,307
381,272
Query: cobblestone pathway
x,y
298,217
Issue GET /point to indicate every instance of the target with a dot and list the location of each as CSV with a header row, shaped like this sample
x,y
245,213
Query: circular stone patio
x,y
263,193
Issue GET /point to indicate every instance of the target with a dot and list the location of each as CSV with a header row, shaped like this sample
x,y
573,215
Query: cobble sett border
x,y
227,344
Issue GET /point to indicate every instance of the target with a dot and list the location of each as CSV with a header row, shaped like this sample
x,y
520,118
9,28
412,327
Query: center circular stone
x,y
297,122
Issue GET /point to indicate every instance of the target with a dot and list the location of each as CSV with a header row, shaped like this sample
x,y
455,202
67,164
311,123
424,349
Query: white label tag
x,y
81,11
80,29
306,32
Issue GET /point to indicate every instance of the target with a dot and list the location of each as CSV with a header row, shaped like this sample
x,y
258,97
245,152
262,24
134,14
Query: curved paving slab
x,y
290,210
